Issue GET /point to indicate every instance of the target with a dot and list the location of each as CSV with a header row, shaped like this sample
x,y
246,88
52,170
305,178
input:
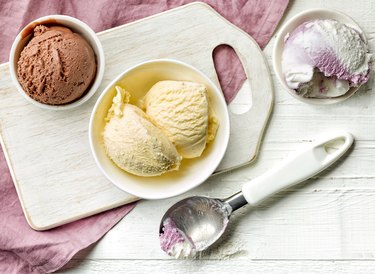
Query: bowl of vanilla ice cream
x,y
159,129
321,56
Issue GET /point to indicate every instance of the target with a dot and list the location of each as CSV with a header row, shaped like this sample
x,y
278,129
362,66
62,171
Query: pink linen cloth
x,y
23,250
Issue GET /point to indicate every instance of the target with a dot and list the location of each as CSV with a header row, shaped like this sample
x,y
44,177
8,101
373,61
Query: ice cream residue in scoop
x,y
174,242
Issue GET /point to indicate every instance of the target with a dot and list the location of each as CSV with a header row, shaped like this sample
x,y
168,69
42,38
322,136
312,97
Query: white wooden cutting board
x,y
48,151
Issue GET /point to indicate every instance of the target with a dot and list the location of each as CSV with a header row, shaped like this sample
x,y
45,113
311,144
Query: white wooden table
x,y
324,226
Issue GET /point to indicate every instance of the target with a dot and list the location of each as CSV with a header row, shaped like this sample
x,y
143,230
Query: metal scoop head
x,y
192,225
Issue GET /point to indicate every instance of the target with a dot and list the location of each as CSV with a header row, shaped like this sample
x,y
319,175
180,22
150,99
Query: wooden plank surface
x,y
324,226
220,266
48,151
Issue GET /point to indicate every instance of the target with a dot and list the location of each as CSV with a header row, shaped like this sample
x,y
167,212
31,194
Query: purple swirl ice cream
x,y
175,242
325,58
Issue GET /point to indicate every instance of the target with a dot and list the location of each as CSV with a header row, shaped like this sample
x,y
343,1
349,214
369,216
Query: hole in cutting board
x,y
231,75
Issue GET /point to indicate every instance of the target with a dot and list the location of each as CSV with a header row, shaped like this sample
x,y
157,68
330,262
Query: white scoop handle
x,y
296,168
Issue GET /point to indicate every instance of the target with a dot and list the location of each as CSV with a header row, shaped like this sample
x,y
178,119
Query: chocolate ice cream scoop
x,y
57,66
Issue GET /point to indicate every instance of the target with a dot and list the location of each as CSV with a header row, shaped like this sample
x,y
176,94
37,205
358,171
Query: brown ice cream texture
x,y
57,66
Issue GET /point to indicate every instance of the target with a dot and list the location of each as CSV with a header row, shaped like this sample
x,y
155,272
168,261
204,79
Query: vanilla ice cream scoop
x,y
324,58
182,111
134,143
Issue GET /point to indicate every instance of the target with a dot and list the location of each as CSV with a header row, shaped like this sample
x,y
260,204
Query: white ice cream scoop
x,y
195,223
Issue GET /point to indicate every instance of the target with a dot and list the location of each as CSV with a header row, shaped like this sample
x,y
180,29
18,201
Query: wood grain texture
x,y
218,266
323,226
48,151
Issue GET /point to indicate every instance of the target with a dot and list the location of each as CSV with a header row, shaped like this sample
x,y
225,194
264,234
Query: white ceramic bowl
x,y
138,80
77,26
293,23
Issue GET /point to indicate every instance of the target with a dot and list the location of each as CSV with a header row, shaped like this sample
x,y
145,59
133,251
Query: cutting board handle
x,y
255,67
261,89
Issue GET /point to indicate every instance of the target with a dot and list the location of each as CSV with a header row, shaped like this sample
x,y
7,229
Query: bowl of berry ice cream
x,y
321,56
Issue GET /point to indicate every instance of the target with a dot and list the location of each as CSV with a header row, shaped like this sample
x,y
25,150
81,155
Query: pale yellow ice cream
x,y
182,111
134,143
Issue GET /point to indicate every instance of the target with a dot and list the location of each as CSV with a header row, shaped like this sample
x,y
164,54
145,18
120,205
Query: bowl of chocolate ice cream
x,y
57,62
